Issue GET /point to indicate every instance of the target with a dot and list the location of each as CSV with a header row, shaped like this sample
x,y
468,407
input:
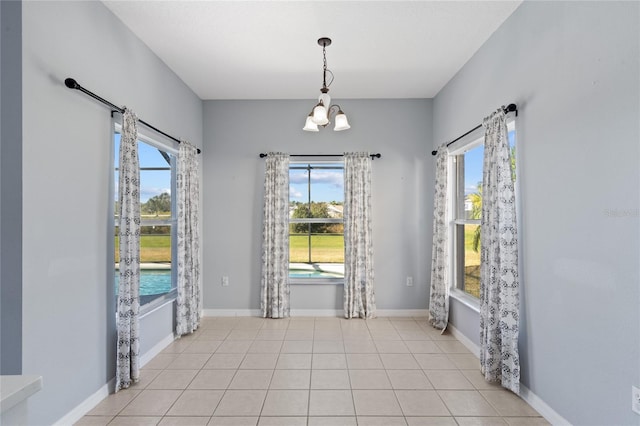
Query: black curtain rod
x,y
72,84
509,108
373,156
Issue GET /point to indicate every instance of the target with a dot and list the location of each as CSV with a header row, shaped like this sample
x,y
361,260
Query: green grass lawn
x,y
153,248
326,248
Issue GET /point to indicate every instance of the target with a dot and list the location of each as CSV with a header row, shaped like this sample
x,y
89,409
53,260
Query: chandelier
x,y
320,115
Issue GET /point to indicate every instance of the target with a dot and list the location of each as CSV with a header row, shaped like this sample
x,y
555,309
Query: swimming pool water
x,y
308,273
152,281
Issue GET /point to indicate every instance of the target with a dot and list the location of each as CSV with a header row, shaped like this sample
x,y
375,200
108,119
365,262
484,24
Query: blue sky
x,y
152,182
473,165
326,185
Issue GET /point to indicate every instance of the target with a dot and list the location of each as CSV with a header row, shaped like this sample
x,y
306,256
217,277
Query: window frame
x,y
469,142
170,148
293,165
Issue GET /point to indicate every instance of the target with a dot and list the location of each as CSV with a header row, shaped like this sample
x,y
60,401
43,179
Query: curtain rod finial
x,y
71,83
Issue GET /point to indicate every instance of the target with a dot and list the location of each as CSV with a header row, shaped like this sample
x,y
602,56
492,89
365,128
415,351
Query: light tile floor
x,y
313,371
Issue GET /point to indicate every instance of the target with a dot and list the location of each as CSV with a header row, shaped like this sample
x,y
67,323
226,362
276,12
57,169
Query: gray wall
x,y
572,68
236,132
11,184
68,334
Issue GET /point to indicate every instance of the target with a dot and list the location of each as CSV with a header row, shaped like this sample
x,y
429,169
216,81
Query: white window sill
x,y
466,299
15,391
156,304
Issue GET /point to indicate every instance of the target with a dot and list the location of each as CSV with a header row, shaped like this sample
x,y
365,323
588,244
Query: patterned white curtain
x,y
359,295
128,347
274,288
439,295
499,283
188,199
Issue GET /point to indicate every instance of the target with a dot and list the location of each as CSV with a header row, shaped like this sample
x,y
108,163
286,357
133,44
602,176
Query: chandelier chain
x,y
324,68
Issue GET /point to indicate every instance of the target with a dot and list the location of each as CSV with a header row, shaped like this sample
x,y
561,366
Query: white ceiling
x,y
268,49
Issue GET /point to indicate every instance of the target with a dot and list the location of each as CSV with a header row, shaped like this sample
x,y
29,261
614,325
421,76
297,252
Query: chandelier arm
x,y
329,112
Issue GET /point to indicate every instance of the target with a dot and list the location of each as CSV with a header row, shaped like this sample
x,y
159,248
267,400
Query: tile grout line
x,y
382,330
353,399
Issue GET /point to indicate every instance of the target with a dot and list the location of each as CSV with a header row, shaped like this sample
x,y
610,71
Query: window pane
x,y
468,213
153,283
470,175
468,259
512,148
319,209
316,248
155,259
155,194
151,156
156,210
298,179
328,246
116,144
299,243
155,244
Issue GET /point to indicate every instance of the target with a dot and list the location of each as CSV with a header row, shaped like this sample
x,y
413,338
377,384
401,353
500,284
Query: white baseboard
x,y
257,313
468,343
402,312
340,313
313,313
231,313
159,347
531,398
317,313
87,405
542,407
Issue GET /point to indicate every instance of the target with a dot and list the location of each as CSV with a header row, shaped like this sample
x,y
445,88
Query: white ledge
x,y
466,299
16,389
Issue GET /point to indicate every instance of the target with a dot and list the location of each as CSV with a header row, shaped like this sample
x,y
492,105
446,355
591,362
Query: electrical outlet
x,y
225,281
635,399
409,281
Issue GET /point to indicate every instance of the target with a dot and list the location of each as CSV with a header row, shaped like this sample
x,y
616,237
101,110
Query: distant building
x,y
335,210
468,208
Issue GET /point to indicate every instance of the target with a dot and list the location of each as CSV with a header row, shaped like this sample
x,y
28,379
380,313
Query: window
x,y
466,177
316,229
158,219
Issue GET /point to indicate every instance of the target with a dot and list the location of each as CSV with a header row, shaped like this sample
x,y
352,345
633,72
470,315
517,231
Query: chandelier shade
x,y
321,113
320,116
341,122
310,125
